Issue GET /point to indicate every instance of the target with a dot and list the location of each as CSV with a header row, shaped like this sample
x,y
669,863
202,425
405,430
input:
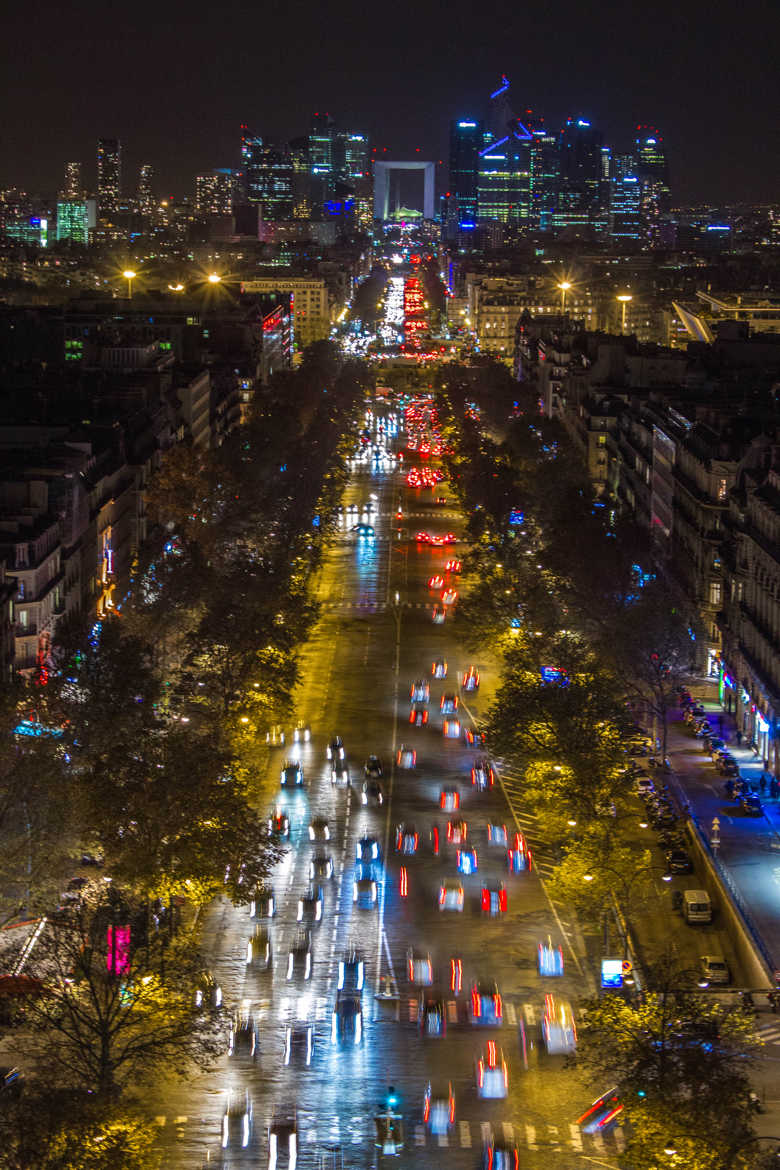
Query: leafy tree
x,y
651,645
107,1017
679,1059
44,1128
599,871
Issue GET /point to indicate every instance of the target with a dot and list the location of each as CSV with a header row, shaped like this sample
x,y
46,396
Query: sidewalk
x,y
749,847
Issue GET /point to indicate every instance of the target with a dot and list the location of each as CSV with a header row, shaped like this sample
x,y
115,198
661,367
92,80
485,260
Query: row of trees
x,y
594,637
149,752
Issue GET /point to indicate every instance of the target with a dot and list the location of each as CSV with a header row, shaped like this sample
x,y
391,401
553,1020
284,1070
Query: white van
x,y
697,906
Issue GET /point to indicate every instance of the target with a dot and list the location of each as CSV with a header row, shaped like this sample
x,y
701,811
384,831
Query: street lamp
x,y
624,298
214,278
178,287
564,286
129,276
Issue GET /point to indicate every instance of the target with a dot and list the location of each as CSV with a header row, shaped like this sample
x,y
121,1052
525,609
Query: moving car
x,y
451,728
299,958
751,805
420,691
367,849
407,839
346,1022
406,757
279,823
335,749
432,1017
499,1154
351,971
419,967
482,775
364,531
242,1040
435,582
491,1072
372,768
319,829
494,899
298,1043
602,1115
208,993
449,596
258,949
439,668
438,614
262,903
715,969
451,895
439,1108
558,1028
339,773
497,835
470,680
449,799
364,889
486,1007
283,1142
372,793
457,832
292,774
237,1120
310,905
321,866
448,704
418,715
453,566
302,732
466,861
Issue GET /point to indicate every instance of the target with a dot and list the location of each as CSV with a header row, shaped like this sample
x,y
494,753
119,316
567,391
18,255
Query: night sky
x,y
175,81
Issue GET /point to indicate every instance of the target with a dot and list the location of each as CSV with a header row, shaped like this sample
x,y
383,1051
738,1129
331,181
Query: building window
x,y
602,440
722,488
715,592
21,554
20,589
23,617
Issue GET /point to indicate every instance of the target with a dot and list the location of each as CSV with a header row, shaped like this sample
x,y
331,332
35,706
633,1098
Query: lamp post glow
x,y
129,276
564,286
214,278
624,298
178,287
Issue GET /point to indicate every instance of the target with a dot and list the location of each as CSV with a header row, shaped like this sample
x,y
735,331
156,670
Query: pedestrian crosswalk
x,y
465,1134
769,1031
372,605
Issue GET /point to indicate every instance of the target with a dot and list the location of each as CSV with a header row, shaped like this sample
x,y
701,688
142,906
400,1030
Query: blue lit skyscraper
x,y
582,194
268,175
653,173
625,198
503,175
465,145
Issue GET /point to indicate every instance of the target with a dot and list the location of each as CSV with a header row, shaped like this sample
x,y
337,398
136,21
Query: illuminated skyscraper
x,y
145,195
268,173
503,169
73,189
625,198
465,145
582,194
653,173
216,192
109,173
73,220
544,180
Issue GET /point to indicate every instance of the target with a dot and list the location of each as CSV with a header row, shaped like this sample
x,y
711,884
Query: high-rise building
x,y
109,174
73,189
354,187
544,179
145,195
73,220
503,169
582,191
301,184
653,173
625,198
217,192
268,175
465,144
322,163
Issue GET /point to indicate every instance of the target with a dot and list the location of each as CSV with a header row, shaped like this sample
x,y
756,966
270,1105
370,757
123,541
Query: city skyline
x,y
149,98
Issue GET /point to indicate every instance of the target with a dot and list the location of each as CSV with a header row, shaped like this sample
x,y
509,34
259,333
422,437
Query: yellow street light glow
x,y
176,287
214,278
564,285
587,877
129,274
625,297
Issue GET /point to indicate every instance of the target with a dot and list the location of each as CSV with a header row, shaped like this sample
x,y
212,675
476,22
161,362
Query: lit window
x,y
715,592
